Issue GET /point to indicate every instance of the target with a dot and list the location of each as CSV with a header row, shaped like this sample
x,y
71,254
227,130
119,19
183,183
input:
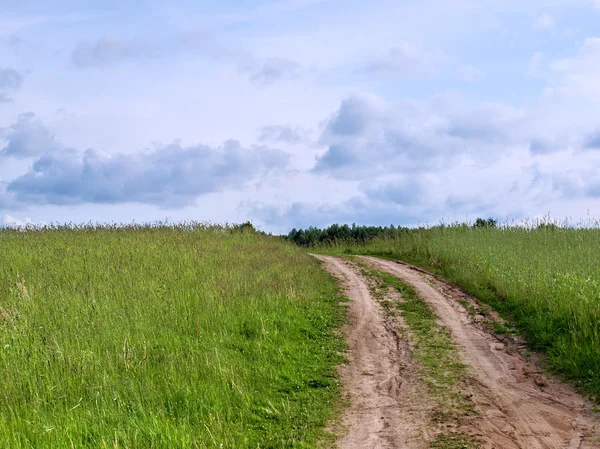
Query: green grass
x,y
164,337
453,442
546,281
440,368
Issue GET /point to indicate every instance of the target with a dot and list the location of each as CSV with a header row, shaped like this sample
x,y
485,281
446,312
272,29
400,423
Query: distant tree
x,y
485,223
342,233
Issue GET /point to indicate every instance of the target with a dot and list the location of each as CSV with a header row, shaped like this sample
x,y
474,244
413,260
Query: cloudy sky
x,y
292,113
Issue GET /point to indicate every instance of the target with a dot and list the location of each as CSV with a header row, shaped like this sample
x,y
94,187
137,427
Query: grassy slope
x,y
546,280
163,338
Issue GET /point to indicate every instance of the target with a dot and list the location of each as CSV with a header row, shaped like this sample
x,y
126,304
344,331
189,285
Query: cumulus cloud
x,y
368,137
169,176
172,176
28,137
502,190
423,197
569,183
446,157
404,202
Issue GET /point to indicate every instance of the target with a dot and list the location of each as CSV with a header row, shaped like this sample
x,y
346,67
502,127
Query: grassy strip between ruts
x,y
435,350
164,337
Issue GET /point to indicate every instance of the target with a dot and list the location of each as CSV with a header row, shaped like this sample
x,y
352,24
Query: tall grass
x,y
163,337
547,279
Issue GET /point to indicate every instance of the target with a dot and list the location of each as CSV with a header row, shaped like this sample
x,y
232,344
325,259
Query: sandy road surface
x,y
520,407
377,380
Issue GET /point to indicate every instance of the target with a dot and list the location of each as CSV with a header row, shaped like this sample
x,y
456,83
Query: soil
x,y
519,405
387,408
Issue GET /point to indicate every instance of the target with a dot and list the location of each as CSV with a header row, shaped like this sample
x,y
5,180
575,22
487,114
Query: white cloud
x,y
368,136
171,176
403,150
27,138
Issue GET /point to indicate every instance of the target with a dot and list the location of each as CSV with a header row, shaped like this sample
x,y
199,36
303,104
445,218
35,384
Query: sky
x,y
292,113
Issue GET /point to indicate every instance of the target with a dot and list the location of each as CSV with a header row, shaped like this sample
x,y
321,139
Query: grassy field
x,y
164,337
546,280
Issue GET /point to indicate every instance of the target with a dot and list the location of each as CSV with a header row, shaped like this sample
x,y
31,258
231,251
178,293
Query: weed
x,y
469,307
500,328
453,442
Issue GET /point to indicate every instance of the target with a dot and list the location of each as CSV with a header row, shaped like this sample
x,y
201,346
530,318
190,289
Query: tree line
x,y
313,236
342,233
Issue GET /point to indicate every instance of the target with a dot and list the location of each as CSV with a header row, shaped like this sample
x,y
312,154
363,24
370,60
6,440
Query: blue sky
x,y
292,113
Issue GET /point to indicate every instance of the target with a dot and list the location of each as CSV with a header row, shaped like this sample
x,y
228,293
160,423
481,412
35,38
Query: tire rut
x,y
520,407
378,379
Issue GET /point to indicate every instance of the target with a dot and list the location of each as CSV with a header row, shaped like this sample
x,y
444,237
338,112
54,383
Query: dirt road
x,y
519,407
377,380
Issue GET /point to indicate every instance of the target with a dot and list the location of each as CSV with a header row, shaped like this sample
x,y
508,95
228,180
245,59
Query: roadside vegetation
x,y
543,277
186,336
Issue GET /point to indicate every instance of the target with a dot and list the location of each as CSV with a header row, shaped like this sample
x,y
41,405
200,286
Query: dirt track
x,y
373,377
519,406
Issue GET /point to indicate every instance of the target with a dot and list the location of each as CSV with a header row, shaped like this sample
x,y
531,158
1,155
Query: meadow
x,y
545,279
185,336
